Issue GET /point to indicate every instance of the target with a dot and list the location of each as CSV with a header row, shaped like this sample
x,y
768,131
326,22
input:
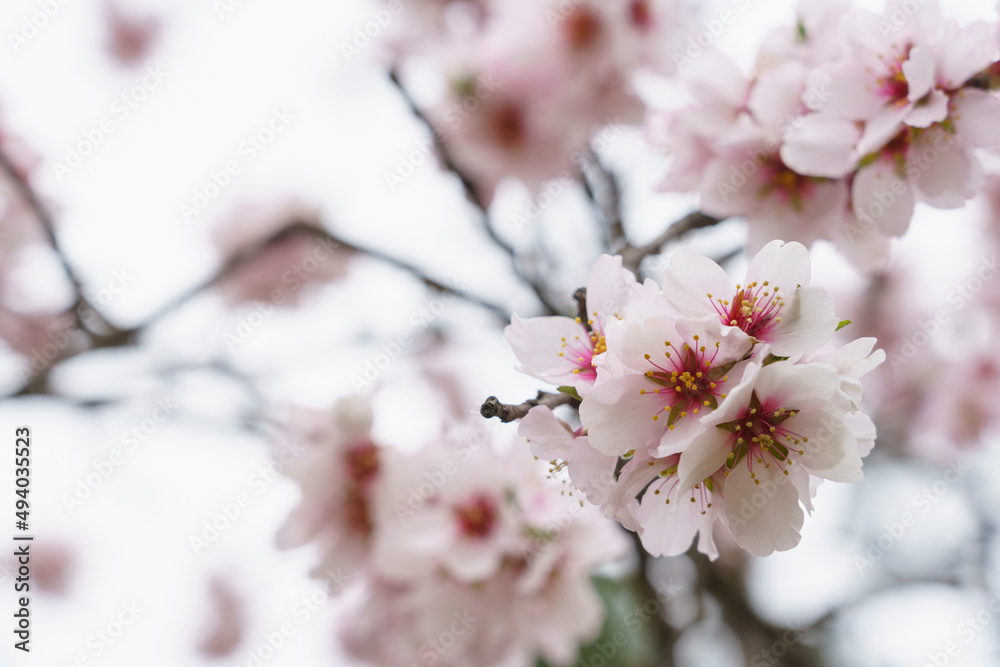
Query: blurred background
x,y
194,157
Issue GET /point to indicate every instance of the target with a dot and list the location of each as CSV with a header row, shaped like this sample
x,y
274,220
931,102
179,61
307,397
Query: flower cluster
x,y
469,556
850,119
529,83
704,402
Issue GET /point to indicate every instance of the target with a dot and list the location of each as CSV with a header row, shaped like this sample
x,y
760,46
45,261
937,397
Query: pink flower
x,y
774,303
780,427
271,266
563,350
339,470
700,399
669,516
437,512
481,548
589,470
674,373
903,118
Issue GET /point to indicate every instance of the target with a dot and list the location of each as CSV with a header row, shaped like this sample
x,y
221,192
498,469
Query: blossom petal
x,y
619,418
852,95
919,72
947,174
549,437
975,114
690,279
831,451
933,109
796,386
881,198
537,343
967,51
763,515
806,324
609,289
822,145
784,265
883,128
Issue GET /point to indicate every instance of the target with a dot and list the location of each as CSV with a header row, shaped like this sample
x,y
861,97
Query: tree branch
x,y
473,195
492,407
609,204
632,256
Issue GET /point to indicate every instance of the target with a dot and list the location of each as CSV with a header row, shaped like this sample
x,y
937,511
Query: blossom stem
x,y
492,407
473,195
632,256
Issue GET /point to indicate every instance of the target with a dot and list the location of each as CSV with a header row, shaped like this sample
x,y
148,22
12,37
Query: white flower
x,y
774,303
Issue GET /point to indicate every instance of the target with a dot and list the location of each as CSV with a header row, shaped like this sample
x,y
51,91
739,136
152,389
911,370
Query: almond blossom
x,y
562,350
905,116
338,468
773,304
471,556
716,406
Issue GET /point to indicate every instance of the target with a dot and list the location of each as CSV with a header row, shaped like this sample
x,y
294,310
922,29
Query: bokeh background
x,y
199,80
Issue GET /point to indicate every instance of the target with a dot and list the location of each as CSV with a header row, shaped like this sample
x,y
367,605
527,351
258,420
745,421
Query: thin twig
x,y
492,407
27,193
609,205
475,197
632,256
249,254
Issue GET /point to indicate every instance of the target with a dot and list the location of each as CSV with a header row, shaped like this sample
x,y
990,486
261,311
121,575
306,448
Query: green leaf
x,y
842,324
571,391
770,359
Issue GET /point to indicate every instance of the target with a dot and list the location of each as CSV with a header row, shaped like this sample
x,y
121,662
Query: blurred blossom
x,y
842,129
52,568
532,83
331,456
273,265
226,623
130,37
465,553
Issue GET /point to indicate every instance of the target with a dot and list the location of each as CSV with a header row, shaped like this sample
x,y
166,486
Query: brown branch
x,y
473,195
45,220
492,407
115,337
609,205
27,192
632,256
580,296
756,634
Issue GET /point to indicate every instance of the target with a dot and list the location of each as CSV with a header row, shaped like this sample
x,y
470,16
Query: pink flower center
x,y
640,14
754,309
666,482
759,437
583,349
476,516
583,27
780,181
356,510
686,379
362,462
507,126
893,86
